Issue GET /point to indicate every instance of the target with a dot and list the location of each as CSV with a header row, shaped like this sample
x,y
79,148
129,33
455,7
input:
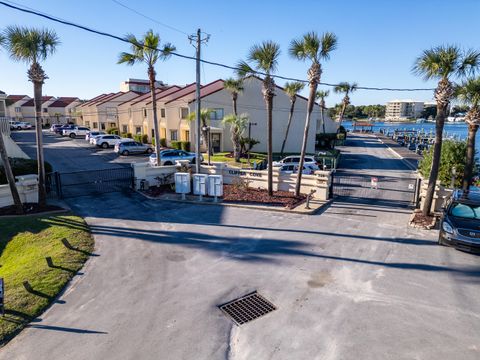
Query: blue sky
x,y
378,40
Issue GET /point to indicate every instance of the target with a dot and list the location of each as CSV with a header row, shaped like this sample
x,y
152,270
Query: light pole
x,y
250,124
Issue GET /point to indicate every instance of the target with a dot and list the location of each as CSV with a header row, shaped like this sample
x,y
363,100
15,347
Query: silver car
x,y
170,157
126,148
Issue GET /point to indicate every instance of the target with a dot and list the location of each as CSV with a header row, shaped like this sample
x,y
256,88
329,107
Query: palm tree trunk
x,y
322,111
470,156
236,145
234,101
437,152
156,129
269,104
311,102
342,113
37,98
10,179
290,116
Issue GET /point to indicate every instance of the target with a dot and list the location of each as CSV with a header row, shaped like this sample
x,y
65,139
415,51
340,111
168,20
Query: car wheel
x,y
149,151
193,161
72,136
440,241
167,163
125,152
19,128
105,145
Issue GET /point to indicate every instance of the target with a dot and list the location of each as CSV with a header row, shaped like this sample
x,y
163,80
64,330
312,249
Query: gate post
x,y
331,189
58,185
416,197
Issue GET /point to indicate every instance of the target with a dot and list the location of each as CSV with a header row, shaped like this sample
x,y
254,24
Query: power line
x,y
116,37
149,18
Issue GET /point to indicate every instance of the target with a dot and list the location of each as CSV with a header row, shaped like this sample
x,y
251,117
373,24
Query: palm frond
x,y
293,88
329,43
468,92
265,56
470,63
233,85
322,94
30,44
127,58
243,69
297,49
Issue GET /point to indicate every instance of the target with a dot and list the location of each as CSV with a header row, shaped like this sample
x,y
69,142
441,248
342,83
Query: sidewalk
x,y
409,156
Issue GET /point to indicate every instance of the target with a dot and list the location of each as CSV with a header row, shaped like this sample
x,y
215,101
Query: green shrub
x,y
123,134
113,131
163,142
145,139
176,145
453,156
129,135
185,145
22,167
137,137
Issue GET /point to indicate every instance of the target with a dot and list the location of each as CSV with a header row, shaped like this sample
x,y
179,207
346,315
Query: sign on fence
x,y
374,182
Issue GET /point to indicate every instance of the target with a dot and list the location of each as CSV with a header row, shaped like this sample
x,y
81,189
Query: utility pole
x,y
197,40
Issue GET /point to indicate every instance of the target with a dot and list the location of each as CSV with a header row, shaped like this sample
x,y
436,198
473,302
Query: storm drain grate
x,y
247,308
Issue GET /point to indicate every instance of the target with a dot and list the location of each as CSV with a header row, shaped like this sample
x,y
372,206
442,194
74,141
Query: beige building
x,y
28,109
63,110
3,104
139,85
174,108
14,103
403,110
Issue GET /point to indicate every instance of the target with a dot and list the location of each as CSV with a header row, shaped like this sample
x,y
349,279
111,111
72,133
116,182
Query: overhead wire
x,y
213,63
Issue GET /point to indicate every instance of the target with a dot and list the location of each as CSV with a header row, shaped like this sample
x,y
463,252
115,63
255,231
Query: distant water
x,y
455,130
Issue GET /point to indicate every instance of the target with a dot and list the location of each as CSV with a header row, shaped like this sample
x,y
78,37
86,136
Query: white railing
x,y
4,126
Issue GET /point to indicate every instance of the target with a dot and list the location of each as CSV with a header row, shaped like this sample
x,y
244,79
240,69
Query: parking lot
x,y
70,155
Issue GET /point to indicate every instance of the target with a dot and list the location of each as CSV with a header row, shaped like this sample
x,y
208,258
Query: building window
x,y
17,110
216,114
138,130
153,133
173,135
144,112
87,123
45,110
95,125
187,135
102,126
124,128
162,113
184,113
112,125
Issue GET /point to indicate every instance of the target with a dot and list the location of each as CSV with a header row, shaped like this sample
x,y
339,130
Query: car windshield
x,y
465,211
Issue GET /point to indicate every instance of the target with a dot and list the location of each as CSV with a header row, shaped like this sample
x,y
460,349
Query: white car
x,y
18,125
308,169
295,159
90,134
76,131
106,141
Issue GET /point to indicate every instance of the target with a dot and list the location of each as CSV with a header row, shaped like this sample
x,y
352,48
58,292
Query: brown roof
x,y
159,92
15,98
177,93
207,89
116,95
31,102
63,101
94,99
107,96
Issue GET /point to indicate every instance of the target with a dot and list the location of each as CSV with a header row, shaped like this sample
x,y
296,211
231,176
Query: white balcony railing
x,y
4,126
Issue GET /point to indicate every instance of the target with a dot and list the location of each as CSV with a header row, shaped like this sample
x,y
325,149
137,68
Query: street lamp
x,y
250,124
207,130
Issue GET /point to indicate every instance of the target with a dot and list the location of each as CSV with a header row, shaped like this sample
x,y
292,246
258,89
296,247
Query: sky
x,y
378,41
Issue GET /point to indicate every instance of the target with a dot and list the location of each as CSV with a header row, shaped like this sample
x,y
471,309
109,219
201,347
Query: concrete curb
x,y
246,206
37,214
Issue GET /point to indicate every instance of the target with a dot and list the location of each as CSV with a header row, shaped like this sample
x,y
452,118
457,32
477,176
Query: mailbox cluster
x,y
203,184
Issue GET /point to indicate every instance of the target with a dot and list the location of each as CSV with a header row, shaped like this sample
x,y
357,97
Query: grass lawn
x,y
221,156
24,244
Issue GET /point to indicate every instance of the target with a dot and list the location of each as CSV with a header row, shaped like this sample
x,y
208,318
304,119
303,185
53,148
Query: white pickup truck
x,y
76,131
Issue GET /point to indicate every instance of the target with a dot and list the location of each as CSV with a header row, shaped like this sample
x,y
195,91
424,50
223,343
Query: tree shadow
x,y
32,291
65,329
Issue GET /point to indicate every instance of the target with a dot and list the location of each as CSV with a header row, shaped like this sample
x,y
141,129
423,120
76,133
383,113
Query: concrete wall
x,y
441,194
27,186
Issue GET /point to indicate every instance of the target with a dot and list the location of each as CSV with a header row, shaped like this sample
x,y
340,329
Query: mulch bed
x,y
421,221
236,194
28,208
155,191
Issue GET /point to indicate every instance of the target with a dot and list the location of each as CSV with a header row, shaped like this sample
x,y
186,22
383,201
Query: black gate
x,y
366,188
89,182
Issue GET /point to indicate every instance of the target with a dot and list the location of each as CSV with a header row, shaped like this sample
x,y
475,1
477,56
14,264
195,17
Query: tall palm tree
x,y
443,63
292,89
147,50
238,124
32,46
264,58
314,48
205,114
469,93
235,87
6,164
321,95
346,88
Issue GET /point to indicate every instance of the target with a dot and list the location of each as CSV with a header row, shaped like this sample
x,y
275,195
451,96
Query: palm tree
x,y
346,88
205,120
32,46
314,48
469,93
292,89
238,124
322,94
147,50
442,63
264,58
235,86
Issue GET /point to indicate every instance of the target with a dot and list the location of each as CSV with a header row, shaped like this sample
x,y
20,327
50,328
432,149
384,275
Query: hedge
x,y
22,167
113,131
145,138
176,145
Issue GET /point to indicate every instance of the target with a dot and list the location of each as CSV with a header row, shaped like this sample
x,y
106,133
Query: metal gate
x,y
390,190
89,182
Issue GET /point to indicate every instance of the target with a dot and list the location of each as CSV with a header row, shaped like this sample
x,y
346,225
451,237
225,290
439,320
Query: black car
x,y
460,223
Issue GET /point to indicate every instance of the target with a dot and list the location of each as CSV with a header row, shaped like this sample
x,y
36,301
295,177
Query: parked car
x,y
59,130
90,134
460,222
19,125
308,169
126,148
170,156
76,131
105,141
295,159
54,126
